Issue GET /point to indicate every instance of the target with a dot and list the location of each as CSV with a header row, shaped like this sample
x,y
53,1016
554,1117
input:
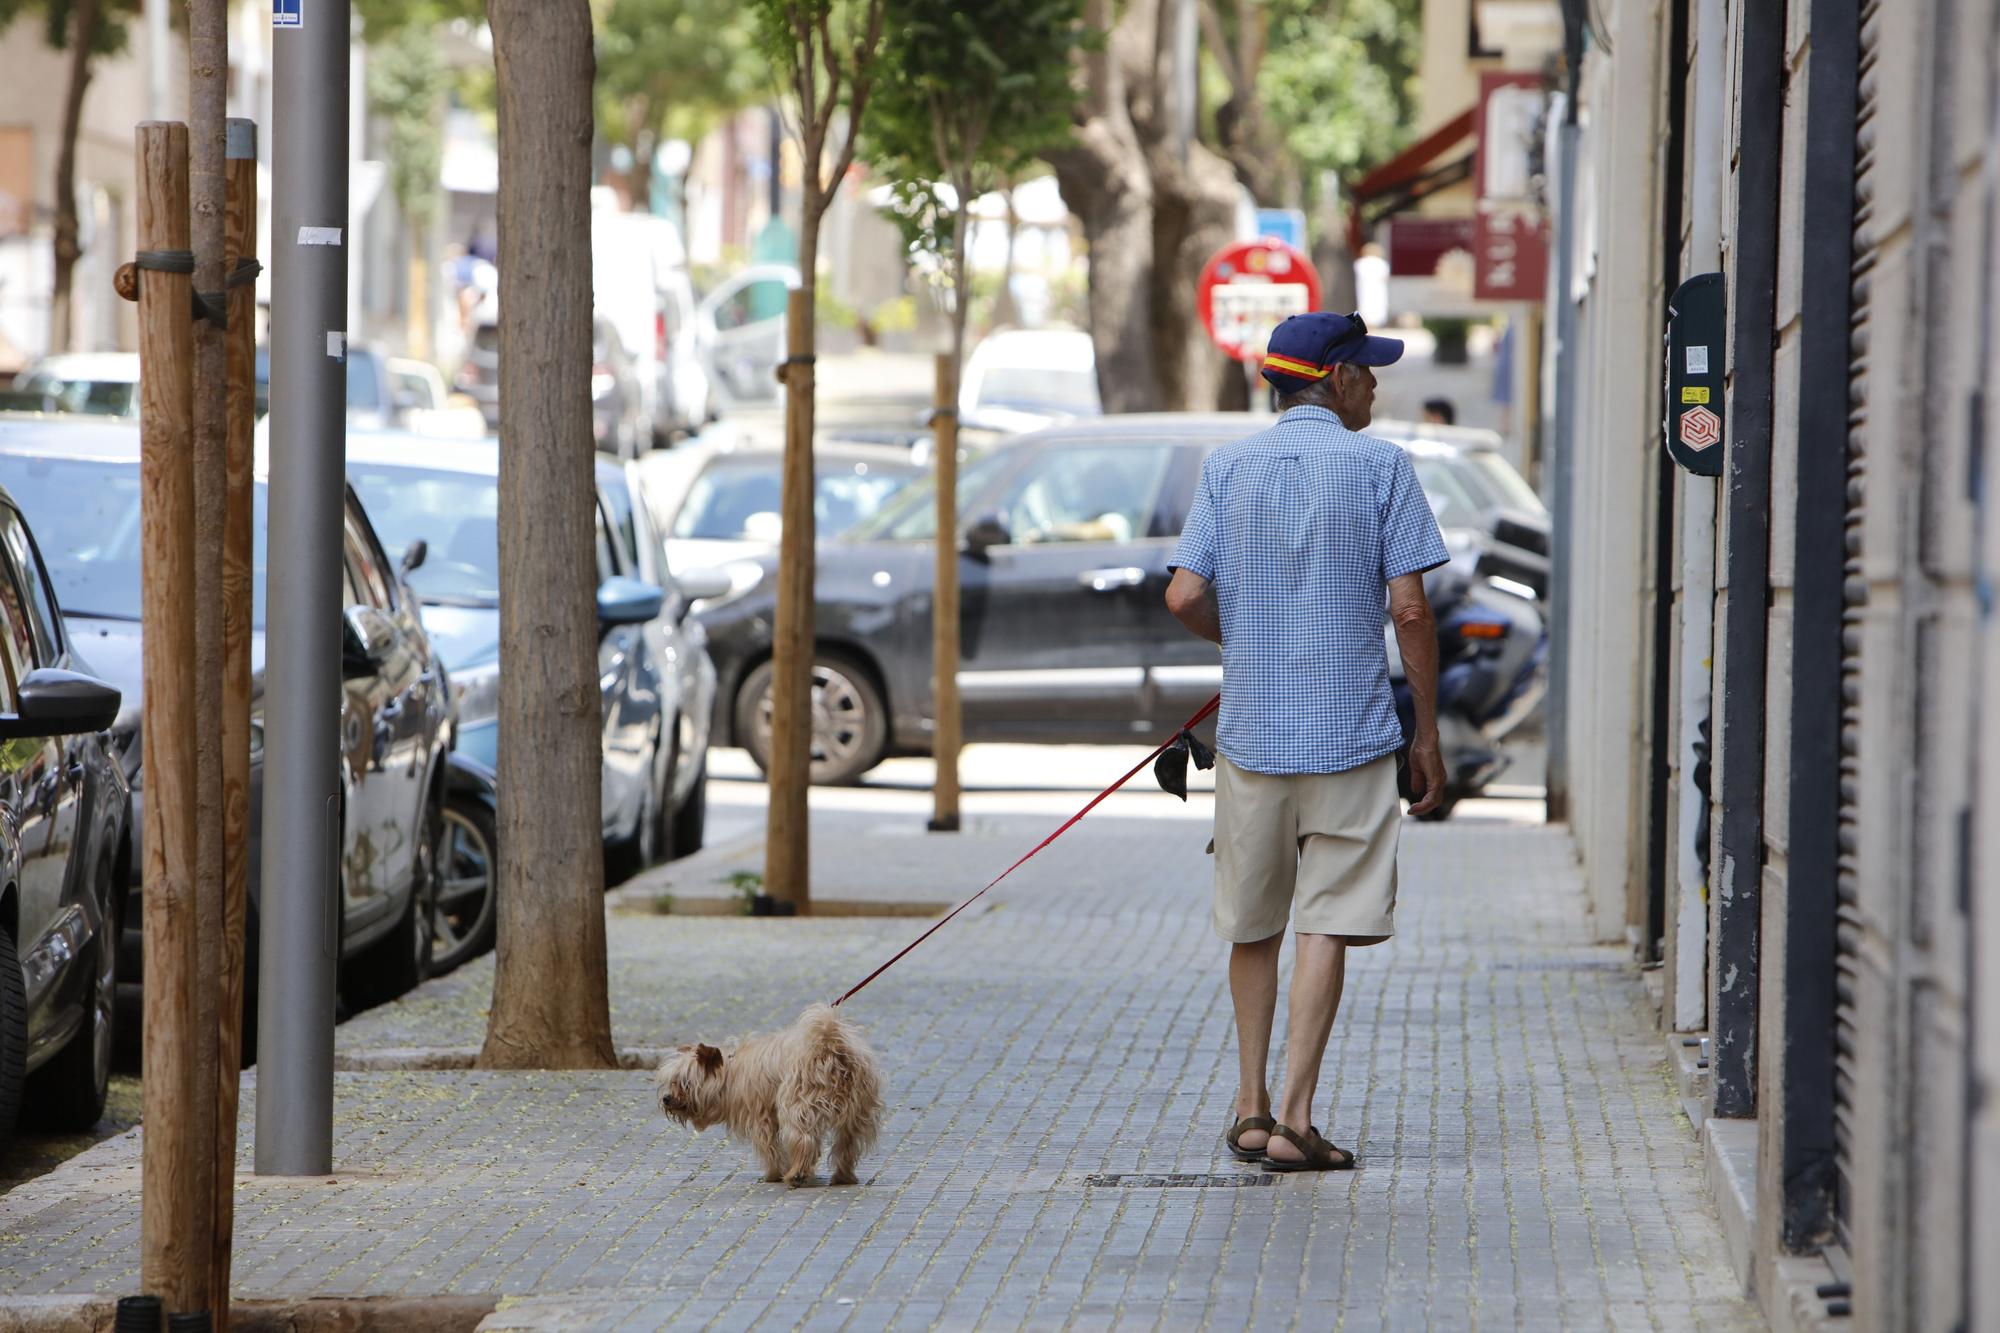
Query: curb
x,y
457,1059
319,1314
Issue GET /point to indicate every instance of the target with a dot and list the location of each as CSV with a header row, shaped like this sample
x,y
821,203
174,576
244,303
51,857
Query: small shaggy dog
x,y
786,1092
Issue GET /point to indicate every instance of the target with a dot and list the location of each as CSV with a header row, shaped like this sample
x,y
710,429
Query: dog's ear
x,y
708,1058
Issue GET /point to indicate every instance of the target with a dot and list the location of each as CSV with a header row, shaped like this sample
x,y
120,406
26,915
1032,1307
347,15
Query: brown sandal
x,y
1319,1154
1248,1122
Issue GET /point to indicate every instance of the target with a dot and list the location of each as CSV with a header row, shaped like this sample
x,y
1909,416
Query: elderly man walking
x,y
1295,538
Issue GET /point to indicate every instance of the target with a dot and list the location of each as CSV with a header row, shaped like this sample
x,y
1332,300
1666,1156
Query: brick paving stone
x,y
1524,1163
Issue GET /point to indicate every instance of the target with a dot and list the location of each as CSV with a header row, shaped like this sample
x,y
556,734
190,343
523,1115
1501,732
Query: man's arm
x,y
1192,600
1416,637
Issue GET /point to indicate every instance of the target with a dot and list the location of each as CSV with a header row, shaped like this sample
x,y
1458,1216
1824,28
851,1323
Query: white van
x,y
641,287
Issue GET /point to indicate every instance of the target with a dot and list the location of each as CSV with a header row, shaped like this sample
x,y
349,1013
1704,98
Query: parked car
x,y
716,498
618,417
81,482
640,284
420,403
91,383
63,814
741,328
391,393
1024,379
1476,490
1064,633
678,642
653,673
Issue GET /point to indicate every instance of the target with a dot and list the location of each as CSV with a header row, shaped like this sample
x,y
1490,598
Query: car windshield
x,y
1073,391
912,515
85,514
730,498
1511,486
456,514
105,398
1454,506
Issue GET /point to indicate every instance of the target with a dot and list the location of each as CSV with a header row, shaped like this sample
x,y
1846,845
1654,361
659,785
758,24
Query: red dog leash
x,y
1095,801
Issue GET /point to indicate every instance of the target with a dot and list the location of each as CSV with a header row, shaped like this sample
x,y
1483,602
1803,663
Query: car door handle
x,y
1110,580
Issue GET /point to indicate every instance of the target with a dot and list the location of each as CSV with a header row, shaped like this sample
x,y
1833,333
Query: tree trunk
x,y
1194,215
787,841
1331,254
550,1003
1006,312
62,321
1104,182
208,205
417,326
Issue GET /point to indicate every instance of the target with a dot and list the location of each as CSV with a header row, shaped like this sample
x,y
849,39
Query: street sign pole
x,y
299,903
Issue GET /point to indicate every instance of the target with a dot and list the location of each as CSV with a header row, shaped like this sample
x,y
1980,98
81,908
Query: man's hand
x,y
1427,776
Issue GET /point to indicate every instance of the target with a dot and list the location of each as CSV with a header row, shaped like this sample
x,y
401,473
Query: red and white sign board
x,y
1248,288
1510,249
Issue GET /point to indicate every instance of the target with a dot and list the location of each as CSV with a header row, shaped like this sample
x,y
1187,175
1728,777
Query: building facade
x,y
1778,742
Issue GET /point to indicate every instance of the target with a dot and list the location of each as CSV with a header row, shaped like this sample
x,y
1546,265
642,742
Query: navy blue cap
x,y
1306,348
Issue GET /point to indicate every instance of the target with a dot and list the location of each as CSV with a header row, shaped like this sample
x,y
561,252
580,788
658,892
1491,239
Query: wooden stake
x,y
177,1162
787,876
238,493
947,729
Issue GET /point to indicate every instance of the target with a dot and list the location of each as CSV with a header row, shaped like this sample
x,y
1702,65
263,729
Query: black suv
x,y
63,814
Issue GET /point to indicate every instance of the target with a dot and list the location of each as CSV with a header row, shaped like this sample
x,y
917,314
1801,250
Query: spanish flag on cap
x,y
1306,348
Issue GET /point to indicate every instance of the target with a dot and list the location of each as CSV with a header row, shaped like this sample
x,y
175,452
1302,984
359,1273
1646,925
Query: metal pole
x,y
300,898
1562,468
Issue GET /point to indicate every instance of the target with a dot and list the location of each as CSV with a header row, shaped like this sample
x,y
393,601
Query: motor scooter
x,y
1492,672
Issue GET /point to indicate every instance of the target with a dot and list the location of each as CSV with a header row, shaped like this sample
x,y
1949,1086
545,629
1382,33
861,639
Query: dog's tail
x,y
843,1059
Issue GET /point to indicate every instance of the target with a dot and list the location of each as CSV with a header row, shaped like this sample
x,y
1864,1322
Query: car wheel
x,y
691,820
397,963
850,725
13,1035
464,913
67,1094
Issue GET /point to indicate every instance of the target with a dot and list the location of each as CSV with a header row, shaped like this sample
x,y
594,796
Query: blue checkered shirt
x,y
1300,529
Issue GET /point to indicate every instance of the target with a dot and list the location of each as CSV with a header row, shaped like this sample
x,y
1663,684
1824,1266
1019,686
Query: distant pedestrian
x,y
1295,537
1440,412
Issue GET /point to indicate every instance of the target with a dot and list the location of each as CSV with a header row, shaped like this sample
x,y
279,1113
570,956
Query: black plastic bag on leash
x,y
1170,769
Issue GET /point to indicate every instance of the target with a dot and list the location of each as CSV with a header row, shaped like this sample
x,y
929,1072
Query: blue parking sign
x,y
288,13
1283,224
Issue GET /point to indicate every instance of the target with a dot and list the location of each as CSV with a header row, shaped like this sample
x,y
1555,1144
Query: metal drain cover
x,y
1178,1181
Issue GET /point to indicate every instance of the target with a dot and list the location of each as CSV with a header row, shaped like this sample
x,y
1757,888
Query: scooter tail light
x,y
1480,629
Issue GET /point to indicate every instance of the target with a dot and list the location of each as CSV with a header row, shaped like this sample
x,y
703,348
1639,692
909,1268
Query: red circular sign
x,y
1247,288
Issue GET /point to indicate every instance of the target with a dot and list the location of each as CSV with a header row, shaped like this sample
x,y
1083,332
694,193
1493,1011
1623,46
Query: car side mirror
x,y
699,585
51,702
986,532
413,558
626,601
365,639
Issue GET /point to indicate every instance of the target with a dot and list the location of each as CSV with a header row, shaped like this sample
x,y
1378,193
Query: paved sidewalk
x,y
1059,1069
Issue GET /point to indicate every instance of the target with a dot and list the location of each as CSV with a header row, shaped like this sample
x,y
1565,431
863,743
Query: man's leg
x,y
1319,968
1253,986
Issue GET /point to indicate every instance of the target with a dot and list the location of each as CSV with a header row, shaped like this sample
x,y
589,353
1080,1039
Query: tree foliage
x,y
110,30
669,69
384,19
407,83
1339,81
974,94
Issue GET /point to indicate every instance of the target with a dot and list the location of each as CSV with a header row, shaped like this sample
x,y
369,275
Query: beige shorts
x,y
1317,847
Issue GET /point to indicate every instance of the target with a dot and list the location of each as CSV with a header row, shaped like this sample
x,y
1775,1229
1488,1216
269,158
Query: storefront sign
x,y
1510,231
